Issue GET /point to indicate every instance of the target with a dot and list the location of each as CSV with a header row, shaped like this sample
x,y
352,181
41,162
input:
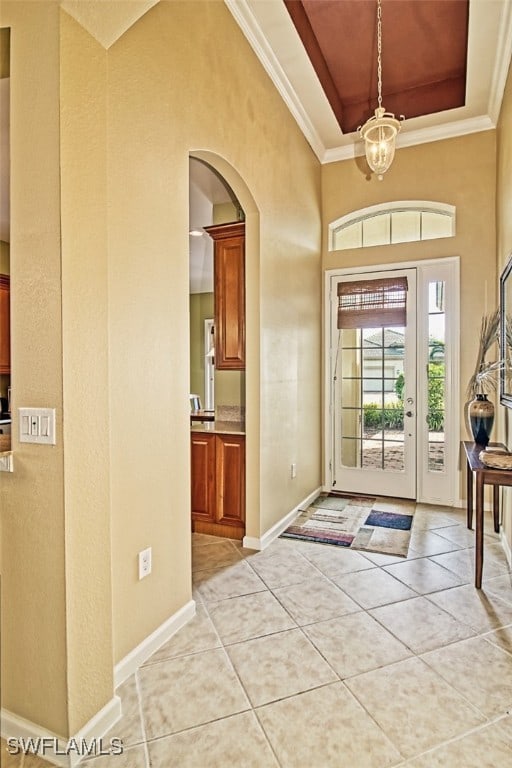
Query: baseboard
x,y
463,505
24,736
127,666
251,542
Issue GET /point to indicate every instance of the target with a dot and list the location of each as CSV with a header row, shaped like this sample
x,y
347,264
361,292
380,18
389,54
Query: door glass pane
x,y
394,455
350,452
372,410
436,375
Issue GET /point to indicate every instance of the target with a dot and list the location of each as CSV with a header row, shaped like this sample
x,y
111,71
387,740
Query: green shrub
x,y
435,417
392,415
389,417
399,386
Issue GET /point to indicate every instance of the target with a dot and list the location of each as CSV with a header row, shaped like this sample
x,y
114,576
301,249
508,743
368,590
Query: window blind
x,y
372,303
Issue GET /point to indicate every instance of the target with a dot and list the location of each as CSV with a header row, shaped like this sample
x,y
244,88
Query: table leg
x,y
469,494
496,507
479,560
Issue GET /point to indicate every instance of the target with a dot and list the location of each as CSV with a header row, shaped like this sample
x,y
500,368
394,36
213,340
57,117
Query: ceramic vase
x,y
481,419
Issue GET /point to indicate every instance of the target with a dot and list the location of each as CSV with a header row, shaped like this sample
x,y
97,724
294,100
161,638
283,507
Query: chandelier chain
x,y
379,52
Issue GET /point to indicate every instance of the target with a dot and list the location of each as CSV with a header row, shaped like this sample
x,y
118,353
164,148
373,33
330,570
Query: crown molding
x,y
413,138
247,22
502,63
327,147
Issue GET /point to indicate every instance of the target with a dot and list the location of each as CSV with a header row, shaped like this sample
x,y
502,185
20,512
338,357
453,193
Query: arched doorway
x,y
234,182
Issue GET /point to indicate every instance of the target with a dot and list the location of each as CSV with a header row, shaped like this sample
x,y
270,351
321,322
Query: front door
x,y
373,392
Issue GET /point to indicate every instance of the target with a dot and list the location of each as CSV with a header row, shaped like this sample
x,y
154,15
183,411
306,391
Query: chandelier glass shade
x,y
380,131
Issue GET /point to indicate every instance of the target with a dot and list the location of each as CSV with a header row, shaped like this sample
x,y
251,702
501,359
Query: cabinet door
x,y
229,295
230,491
5,331
203,476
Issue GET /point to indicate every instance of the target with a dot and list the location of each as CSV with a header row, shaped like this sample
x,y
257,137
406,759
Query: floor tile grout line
x,y
365,610
455,739
142,719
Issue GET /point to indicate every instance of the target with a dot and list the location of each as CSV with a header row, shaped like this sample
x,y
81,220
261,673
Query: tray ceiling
x,y
445,64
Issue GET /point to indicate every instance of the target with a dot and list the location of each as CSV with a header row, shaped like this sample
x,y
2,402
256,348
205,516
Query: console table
x,y
484,476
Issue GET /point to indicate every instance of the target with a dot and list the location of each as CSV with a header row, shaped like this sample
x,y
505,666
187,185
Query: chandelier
x,y
380,130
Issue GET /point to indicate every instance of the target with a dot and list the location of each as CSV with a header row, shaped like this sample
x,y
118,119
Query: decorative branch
x,y
483,379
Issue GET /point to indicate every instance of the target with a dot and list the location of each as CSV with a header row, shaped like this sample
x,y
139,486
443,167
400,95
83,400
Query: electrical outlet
x,y
144,563
293,471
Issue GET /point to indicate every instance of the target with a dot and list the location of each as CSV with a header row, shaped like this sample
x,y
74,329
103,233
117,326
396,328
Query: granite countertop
x,y
219,427
225,420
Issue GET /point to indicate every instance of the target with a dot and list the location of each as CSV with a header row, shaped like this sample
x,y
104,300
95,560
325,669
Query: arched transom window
x,y
404,221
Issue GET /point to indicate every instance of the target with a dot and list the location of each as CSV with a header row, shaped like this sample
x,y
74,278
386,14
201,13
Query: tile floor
x,y
312,656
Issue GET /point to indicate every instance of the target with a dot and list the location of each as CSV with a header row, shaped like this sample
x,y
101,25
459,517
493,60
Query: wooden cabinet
x,y
229,288
218,484
5,325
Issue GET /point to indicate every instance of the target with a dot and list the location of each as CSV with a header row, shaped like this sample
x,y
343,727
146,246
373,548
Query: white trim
x,y
209,366
502,63
141,653
393,206
455,383
385,267
413,138
249,25
270,32
18,728
432,206
252,542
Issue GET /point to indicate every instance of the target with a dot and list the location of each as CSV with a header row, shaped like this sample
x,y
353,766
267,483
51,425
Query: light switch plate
x,y
37,425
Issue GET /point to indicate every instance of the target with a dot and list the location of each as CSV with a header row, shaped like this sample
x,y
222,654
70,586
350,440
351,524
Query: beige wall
x,y
458,171
149,300
84,264
504,226
34,651
100,329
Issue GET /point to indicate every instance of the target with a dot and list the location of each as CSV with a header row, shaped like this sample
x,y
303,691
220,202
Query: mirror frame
x,y
505,309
